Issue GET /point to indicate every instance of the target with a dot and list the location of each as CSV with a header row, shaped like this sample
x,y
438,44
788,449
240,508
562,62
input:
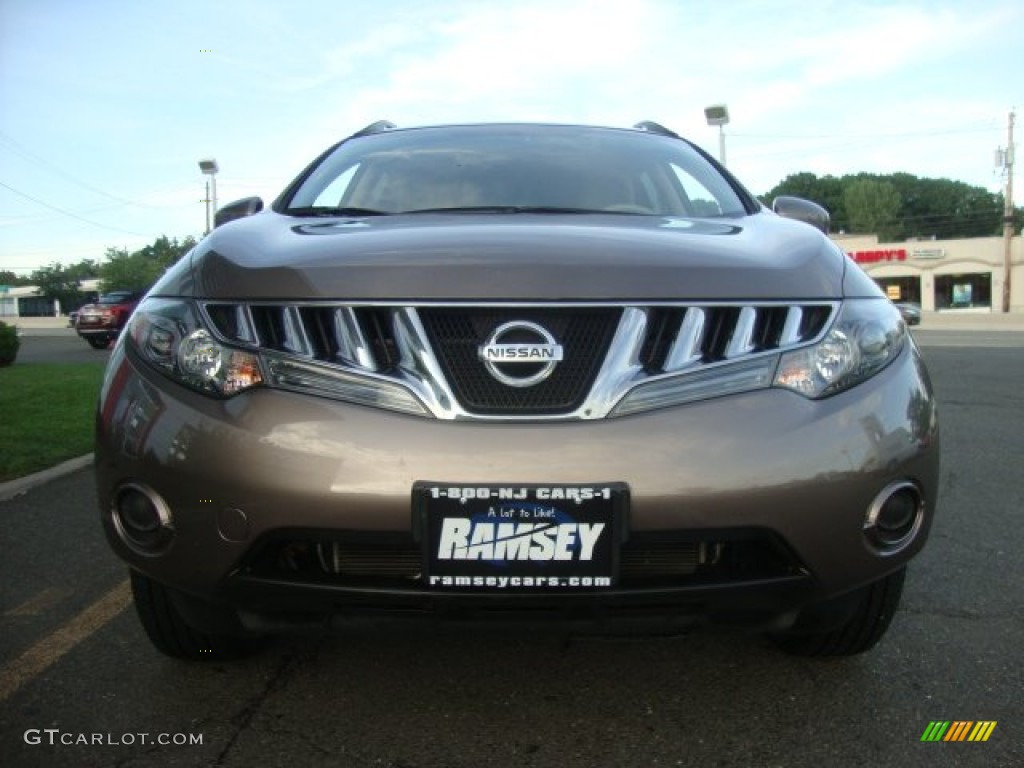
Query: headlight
x,y
168,335
866,337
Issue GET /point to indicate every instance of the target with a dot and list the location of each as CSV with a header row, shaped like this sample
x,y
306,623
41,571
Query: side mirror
x,y
802,210
237,210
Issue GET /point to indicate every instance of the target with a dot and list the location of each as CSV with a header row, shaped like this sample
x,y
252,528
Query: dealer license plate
x,y
520,537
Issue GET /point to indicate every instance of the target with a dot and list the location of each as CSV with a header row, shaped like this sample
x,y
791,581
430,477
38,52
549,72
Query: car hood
x,y
512,257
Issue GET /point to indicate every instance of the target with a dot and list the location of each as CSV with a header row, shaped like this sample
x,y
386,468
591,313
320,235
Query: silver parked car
x,y
540,371
910,311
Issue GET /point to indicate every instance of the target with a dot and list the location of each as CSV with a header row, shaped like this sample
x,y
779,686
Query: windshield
x,y
515,168
115,298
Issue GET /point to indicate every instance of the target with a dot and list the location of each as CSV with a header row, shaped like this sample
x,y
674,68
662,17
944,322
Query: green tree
x,y
946,208
7,277
138,271
86,269
122,270
826,191
927,207
166,252
873,207
57,282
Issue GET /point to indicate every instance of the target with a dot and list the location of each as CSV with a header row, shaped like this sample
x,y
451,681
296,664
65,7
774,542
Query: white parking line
x,y
51,648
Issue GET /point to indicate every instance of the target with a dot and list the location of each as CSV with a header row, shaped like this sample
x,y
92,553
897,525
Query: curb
x,y
24,484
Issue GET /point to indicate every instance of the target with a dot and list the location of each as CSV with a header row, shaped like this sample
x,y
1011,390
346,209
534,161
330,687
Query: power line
x,y
19,149
869,136
68,213
13,221
791,145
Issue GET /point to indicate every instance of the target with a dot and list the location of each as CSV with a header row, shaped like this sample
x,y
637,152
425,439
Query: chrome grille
x,y
698,335
429,353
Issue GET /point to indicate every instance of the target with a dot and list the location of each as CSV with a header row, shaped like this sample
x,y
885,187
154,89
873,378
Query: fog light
x,y
894,517
142,519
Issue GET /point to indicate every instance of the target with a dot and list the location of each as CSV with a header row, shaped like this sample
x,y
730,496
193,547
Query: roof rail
x,y
377,127
652,127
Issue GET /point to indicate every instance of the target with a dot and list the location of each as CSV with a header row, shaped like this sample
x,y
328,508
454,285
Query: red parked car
x,y
101,323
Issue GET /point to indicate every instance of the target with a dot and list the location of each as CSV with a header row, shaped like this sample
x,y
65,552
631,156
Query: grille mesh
x,y
647,559
457,333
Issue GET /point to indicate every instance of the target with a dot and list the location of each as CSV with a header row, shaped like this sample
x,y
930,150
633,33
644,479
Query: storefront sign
x,y
873,257
928,253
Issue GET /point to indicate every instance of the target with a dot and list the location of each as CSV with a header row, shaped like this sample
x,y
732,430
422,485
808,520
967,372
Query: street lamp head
x,y
717,114
208,166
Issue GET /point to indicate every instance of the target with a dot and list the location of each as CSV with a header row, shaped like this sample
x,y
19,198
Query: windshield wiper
x,y
504,209
326,210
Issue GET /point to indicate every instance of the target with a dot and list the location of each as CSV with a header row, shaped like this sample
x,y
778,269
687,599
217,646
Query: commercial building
x,y
26,301
944,275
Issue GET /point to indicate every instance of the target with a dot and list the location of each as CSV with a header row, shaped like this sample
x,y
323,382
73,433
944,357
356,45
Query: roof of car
x,y
386,126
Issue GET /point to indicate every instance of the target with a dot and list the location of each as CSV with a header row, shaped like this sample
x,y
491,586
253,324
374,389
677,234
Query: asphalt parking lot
x,y
57,344
75,665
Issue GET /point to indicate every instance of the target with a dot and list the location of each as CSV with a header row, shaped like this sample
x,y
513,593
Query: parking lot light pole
x,y
209,167
1008,209
718,114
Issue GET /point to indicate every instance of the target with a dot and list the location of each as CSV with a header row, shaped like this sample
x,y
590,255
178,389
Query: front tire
x,y
172,635
873,609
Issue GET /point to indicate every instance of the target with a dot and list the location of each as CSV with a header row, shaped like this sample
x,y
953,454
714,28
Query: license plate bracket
x,y
520,537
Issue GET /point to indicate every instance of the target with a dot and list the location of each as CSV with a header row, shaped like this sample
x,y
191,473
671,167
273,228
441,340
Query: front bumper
x,y
768,465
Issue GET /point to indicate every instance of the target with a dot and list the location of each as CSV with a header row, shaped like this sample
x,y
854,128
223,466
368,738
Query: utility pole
x,y
1008,214
207,201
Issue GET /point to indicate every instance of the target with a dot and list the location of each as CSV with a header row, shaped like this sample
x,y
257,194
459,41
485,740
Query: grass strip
x,y
47,414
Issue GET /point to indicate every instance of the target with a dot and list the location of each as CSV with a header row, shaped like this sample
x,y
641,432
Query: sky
x,y
107,106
